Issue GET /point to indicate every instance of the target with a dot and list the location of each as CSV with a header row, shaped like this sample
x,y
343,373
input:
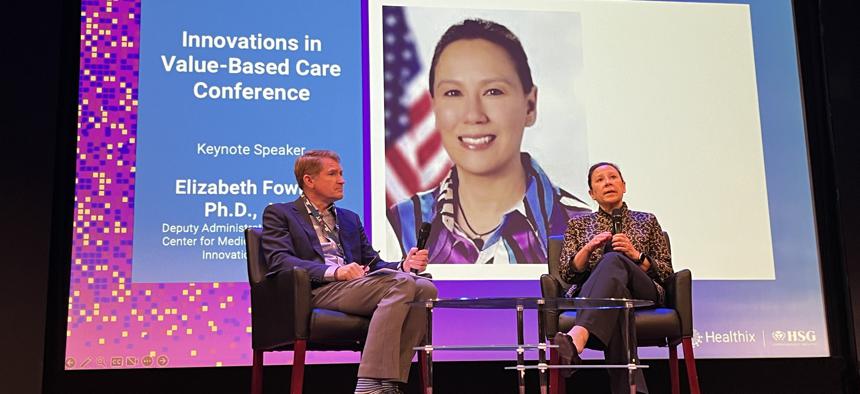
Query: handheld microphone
x,y
616,221
616,229
423,234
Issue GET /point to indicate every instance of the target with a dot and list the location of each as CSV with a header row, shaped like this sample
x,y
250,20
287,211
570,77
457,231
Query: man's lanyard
x,y
327,231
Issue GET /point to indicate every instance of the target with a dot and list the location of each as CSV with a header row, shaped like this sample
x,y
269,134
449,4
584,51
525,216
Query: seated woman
x,y
633,263
496,205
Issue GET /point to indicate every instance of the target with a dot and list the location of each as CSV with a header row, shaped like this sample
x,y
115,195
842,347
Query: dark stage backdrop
x,y
32,222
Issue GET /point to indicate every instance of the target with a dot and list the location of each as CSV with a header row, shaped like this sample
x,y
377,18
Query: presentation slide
x,y
191,116
677,123
226,105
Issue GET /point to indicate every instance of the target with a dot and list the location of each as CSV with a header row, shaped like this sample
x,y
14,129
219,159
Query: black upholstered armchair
x,y
282,317
668,326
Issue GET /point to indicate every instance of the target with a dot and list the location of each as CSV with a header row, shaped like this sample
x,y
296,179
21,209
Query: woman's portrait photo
x,y
490,120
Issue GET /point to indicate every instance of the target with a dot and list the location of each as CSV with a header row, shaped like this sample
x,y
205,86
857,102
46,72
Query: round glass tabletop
x,y
535,303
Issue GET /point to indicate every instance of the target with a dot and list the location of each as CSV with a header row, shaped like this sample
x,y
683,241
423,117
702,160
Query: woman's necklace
x,y
479,237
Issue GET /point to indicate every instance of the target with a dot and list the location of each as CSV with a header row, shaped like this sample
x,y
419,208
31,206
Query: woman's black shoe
x,y
567,353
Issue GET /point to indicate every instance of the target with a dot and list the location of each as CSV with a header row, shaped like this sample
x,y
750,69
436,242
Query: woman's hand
x,y
622,244
598,241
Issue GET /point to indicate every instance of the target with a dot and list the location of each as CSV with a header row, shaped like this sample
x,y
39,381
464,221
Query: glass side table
x,y
520,304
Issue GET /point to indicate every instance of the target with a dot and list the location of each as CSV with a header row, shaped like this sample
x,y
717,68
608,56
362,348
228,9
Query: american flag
x,y
414,156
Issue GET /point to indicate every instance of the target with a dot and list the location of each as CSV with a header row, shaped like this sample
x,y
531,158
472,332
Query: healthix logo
x,y
697,338
723,337
793,336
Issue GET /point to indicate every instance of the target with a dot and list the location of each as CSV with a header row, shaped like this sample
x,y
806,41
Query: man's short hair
x,y
311,163
498,34
603,163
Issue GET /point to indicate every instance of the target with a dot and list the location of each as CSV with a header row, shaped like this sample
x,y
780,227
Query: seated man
x,y
629,259
330,243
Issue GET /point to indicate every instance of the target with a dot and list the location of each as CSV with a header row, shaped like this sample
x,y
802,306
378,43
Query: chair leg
x,y
553,373
690,363
556,381
673,369
298,375
257,373
422,369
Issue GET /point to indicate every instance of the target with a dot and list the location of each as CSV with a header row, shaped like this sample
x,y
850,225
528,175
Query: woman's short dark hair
x,y
498,34
601,164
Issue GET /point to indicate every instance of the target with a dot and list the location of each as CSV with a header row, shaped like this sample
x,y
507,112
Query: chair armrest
x,y
550,288
679,296
281,308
